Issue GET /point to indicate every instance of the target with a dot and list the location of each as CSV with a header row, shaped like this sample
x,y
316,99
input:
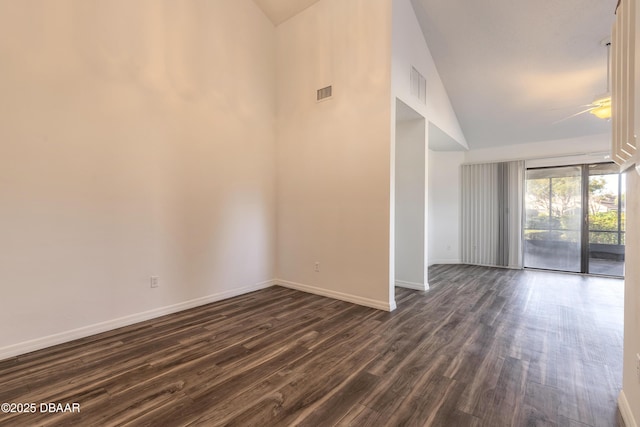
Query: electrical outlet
x,y
316,267
155,281
638,366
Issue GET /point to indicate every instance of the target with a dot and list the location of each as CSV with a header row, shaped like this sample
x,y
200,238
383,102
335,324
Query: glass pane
x,y
553,218
623,199
606,220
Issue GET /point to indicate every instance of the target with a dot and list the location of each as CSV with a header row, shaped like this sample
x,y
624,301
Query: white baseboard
x,y
443,261
506,267
411,285
367,302
85,331
625,410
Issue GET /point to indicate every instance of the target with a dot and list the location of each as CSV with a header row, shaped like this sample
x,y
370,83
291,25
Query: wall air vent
x,y
418,85
324,93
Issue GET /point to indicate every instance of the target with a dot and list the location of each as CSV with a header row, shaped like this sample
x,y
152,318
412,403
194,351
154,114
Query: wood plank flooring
x,y
483,347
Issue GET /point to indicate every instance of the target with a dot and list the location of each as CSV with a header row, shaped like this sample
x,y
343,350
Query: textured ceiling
x,y
513,68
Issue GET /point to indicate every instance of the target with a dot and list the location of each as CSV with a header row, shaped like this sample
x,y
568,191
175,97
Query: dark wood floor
x,y
483,347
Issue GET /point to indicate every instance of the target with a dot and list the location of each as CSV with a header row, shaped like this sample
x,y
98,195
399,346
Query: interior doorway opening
x,y
410,222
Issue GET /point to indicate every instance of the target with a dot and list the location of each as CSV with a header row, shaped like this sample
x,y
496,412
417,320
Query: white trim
x,y
367,302
444,261
506,267
625,410
85,331
412,285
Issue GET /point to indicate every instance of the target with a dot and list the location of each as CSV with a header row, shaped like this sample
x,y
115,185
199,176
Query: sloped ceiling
x,y
279,11
513,69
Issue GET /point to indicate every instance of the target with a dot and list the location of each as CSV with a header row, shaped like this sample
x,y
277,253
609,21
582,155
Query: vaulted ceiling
x,y
279,11
514,70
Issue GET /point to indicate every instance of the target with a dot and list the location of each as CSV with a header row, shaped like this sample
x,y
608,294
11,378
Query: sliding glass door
x,y
606,220
553,206
574,219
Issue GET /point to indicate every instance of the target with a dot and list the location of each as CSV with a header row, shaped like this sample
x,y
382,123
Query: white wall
x,y
630,397
334,156
444,206
410,49
410,204
137,139
550,153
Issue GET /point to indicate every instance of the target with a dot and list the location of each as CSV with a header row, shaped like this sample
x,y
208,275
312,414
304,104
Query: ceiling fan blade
x,y
573,115
573,106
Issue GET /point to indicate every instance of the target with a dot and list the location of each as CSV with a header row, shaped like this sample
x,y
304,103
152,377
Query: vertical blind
x,y
492,199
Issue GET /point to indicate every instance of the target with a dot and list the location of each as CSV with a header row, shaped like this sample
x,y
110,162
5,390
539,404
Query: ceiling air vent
x,y
324,93
418,85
